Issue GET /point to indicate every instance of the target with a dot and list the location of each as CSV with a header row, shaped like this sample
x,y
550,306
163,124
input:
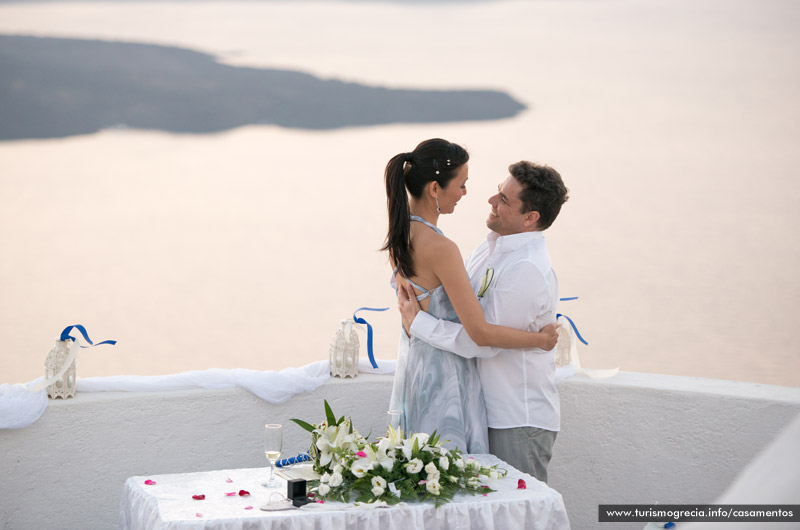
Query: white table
x,y
168,504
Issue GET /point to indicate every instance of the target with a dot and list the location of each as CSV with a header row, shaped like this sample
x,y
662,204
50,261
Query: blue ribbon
x,y
571,323
369,331
66,336
302,457
574,327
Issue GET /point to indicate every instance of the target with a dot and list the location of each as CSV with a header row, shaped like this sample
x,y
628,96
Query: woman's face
x,y
457,187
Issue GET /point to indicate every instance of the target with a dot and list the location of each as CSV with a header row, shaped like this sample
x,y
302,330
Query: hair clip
x,y
436,166
448,162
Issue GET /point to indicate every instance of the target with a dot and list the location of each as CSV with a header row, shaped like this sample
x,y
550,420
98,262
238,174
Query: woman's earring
x,y
438,210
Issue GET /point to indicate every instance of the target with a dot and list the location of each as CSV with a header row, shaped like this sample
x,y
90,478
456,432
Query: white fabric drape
x,y
19,407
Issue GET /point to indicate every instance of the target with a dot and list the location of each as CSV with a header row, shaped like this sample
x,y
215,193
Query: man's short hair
x,y
543,190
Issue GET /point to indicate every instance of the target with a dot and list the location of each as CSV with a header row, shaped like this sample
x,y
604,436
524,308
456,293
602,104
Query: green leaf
x,y
329,414
303,424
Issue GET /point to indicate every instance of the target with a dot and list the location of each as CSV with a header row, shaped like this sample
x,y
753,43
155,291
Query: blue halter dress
x,y
438,390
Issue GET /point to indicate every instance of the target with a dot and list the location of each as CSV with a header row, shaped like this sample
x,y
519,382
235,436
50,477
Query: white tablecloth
x,y
168,504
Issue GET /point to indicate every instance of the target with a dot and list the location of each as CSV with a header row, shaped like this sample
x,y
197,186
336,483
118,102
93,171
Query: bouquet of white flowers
x,y
392,469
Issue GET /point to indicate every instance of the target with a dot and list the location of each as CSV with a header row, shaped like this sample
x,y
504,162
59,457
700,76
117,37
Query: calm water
x,y
675,128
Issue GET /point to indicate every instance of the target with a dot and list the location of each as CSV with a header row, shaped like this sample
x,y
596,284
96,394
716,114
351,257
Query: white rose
x,y
360,467
415,466
460,464
379,482
377,491
336,480
324,478
452,479
444,463
494,475
324,489
338,468
433,487
473,482
443,451
421,438
432,471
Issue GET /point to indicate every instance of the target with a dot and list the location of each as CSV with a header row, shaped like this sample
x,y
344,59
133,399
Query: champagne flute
x,y
396,420
273,441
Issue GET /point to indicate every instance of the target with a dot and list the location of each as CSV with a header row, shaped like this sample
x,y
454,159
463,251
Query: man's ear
x,y
530,219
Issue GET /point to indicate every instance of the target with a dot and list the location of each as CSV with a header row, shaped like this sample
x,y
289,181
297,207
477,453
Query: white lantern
x,y
60,367
567,347
344,351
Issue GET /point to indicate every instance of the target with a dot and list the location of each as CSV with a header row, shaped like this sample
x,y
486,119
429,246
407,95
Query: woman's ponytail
x,y
398,239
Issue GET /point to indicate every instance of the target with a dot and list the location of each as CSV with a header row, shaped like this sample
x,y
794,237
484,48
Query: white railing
x,y
635,438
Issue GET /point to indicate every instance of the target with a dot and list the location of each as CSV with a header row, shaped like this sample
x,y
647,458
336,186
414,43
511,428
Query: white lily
x,y
360,467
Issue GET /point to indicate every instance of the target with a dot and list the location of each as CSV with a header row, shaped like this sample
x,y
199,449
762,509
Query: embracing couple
x,y
476,360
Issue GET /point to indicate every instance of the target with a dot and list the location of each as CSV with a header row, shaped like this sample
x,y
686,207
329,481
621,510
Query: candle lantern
x,y
60,367
344,351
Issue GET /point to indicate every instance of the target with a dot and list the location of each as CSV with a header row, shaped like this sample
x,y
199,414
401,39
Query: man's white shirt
x,y
518,385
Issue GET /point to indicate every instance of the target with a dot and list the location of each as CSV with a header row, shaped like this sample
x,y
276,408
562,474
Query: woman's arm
x,y
449,268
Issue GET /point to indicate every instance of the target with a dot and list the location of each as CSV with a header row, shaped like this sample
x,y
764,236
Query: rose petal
x,y
361,454
150,482
198,497
485,494
243,493
228,480
521,485
248,507
198,515
231,494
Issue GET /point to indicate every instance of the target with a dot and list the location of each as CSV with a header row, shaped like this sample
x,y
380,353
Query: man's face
x,y
505,217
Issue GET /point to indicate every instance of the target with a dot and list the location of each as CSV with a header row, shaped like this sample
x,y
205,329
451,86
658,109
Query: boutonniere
x,y
486,281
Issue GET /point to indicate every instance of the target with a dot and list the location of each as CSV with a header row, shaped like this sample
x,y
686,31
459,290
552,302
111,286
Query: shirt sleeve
x,y
514,301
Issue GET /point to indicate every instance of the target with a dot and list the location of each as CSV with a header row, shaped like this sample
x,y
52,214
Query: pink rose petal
x,y
521,485
361,454
150,482
198,497
231,494
198,515
248,507
243,493
228,480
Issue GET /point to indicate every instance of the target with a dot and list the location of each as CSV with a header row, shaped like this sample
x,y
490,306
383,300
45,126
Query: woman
x,y
438,390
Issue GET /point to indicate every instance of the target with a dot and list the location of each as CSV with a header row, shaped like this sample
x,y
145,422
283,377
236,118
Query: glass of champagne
x,y
273,441
396,420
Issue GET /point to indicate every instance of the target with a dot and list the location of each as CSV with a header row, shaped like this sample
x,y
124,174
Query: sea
x,y
675,126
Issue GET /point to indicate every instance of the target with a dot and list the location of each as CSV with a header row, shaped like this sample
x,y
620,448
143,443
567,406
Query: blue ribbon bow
x,y
571,323
369,331
66,336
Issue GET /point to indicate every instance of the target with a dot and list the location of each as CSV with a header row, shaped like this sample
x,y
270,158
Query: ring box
x,y
296,492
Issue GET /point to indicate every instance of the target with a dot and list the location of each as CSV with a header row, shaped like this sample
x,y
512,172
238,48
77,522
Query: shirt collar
x,y
511,242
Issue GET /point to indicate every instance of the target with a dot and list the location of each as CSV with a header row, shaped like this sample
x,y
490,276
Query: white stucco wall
x,y
636,438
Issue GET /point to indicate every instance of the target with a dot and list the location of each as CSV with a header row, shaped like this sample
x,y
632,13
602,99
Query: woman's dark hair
x,y
432,160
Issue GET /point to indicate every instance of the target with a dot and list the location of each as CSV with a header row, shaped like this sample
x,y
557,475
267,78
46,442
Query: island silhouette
x,y
54,87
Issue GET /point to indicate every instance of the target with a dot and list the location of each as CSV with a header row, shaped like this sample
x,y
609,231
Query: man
x,y
513,278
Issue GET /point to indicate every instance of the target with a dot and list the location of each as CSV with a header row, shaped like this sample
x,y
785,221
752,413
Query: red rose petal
x,y
150,482
242,493
198,497
521,485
